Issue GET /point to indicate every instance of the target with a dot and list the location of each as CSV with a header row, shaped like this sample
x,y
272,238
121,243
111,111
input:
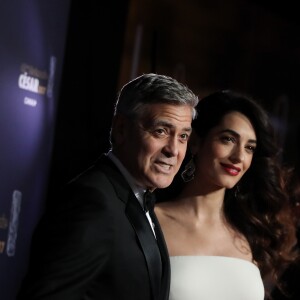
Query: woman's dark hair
x,y
258,206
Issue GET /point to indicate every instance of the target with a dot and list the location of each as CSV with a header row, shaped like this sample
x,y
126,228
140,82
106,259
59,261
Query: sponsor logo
x,y
37,81
33,80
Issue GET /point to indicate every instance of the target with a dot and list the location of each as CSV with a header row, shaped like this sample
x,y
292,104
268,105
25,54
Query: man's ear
x,y
119,129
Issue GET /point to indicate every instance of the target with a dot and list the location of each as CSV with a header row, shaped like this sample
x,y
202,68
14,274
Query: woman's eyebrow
x,y
236,134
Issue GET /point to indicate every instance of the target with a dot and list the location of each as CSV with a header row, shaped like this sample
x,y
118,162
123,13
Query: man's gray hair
x,y
153,88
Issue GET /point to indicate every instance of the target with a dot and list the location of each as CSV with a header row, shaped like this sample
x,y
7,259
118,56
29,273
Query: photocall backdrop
x,y
32,42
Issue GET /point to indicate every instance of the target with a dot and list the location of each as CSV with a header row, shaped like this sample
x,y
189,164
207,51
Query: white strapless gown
x,y
214,278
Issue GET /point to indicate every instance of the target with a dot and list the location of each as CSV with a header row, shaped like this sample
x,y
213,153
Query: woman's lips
x,y
231,169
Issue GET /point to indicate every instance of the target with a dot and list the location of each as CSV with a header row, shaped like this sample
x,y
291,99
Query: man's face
x,y
152,148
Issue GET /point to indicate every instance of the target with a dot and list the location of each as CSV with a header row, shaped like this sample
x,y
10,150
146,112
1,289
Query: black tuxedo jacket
x,y
98,244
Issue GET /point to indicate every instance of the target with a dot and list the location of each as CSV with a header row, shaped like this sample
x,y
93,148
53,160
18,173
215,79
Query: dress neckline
x,y
237,259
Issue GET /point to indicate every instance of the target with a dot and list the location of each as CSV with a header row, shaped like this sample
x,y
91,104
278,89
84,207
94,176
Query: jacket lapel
x,y
155,251
147,242
166,274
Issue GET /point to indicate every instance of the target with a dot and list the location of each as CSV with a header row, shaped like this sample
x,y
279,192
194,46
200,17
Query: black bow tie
x,y
149,201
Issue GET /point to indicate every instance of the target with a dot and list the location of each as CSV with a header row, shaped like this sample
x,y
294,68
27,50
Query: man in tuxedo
x,y
104,241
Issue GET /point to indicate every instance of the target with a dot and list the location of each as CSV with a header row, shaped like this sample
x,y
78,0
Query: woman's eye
x,y
228,139
251,148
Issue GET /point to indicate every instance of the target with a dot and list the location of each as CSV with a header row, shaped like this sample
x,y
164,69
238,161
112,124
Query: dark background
x,y
89,86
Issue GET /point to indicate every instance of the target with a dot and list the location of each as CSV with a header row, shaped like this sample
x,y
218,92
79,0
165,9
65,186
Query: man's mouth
x,y
164,166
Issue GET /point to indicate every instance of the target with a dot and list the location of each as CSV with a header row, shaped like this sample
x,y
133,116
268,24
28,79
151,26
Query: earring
x,y
188,173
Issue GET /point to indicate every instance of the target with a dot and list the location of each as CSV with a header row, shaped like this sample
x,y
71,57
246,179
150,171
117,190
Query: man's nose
x,y
171,147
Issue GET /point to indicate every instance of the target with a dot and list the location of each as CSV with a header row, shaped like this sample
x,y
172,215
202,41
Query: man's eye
x,y
160,131
184,137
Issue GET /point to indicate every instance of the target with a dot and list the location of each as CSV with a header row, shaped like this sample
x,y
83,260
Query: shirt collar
x,y
137,190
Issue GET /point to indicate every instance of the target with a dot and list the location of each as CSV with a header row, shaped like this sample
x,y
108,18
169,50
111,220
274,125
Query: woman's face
x,y
226,153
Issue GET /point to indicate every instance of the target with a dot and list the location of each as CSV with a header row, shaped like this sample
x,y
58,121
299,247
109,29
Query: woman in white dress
x,y
230,224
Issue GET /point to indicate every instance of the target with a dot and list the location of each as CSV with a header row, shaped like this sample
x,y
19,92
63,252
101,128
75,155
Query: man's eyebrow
x,y
169,125
188,129
233,132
